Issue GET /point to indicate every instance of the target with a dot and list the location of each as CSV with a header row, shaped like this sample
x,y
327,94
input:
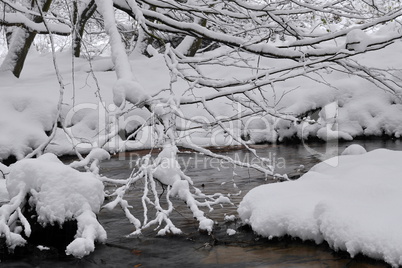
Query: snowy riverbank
x,y
350,201
343,108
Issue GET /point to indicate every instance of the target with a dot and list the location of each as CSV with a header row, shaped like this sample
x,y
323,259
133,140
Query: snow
x,y
24,122
357,40
229,218
69,188
18,18
185,45
131,91
58,193
230,232
354,149
41,248
127,88
353,206
123,69
328,134
168,172
94,157
363,109
349,108
180,188
3,191
327,118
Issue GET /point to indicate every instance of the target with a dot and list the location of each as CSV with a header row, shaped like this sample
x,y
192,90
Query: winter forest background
x,y
94,78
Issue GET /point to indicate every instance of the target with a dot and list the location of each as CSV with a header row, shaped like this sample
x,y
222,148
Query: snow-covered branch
x,y
127,87
20,20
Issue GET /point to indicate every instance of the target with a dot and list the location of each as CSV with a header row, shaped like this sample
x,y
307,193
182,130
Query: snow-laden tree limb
x,y
17,19
166,170
127,87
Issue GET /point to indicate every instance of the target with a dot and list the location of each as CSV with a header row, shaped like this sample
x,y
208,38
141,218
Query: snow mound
x,y
354,149
58,193
354,206
24,121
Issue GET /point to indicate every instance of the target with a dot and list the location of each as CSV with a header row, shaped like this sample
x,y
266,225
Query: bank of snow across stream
x,y
352,202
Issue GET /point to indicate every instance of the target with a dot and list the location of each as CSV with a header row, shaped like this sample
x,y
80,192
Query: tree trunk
x,y
79,21
190,45
143,38
21,41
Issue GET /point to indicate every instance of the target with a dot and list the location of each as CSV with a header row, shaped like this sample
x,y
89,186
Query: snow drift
x,y
354,206
28,106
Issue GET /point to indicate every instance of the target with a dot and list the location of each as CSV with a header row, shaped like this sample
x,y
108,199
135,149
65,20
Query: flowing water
x,y
195,249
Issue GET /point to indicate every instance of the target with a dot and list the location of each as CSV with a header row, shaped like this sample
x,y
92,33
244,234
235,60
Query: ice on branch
x,y
58,193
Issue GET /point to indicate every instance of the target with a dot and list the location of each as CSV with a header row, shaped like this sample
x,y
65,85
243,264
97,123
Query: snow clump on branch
x,y
131,91
58,193
357,40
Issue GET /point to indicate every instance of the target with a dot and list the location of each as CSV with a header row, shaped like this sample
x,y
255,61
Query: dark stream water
x,y
195,249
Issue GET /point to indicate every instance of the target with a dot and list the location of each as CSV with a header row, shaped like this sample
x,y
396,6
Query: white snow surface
x,y
354,149
354,206
24,120
3,191
352,107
